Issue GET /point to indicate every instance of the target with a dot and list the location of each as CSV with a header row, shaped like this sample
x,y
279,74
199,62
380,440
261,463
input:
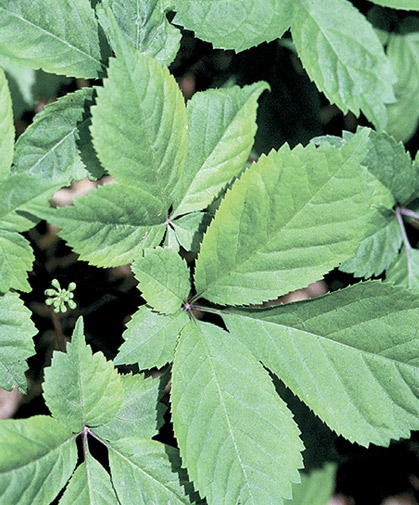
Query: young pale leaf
x,y
403,52
189,229
89,485
109,226
16,258
236,25
144,25
398,4
37,457
141,413
251,449
82,388
144,472
164,279
221,129
16,343
405,270
59,37
348,64
57,145
315,488
7,130
139,127
151,338
351,356
377,251
292,217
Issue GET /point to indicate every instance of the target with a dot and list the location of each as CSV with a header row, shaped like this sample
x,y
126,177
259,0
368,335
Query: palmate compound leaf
x,y
343,56
141,412
58,144
151,338
145,472
163,279
351,356
110,226
290,218
144,25
82,388
37,457
139,126
236,25
221,130
16,345
251,449
7,130
59,37
90,484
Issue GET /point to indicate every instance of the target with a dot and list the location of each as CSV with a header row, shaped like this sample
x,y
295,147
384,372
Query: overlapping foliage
x,y
181,184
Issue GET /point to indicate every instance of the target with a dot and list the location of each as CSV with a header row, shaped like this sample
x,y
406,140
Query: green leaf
x,y
59,37
342,54
109,227
316,487
189,229
399,4
37,457
150,338
236,25
7,130
18,194
403,52
251,449
16,343
164,279
389,161
144,472
139,127
27,86
141,413
292,217
81,388
57,145
145,27
221,129
89,485
378,250
405,270
351,356
16,258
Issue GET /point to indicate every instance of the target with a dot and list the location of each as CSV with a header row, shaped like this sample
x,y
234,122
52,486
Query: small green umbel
x,y
59,297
